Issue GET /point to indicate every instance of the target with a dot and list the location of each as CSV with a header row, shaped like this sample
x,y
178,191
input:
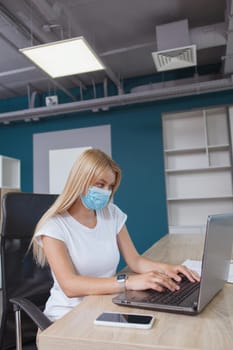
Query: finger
x,y
157,287
175,276
195,275
165,281
189,274
170,273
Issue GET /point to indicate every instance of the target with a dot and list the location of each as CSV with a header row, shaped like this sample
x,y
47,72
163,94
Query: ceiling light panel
x,y
63,58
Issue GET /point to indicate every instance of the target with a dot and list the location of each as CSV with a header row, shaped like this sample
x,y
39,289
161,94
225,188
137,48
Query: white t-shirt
x,y
93,251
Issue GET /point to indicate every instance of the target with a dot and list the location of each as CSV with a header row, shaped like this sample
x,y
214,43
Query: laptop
x,y
193,297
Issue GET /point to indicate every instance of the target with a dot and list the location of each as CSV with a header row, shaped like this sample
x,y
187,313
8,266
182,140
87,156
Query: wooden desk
x,y
211,330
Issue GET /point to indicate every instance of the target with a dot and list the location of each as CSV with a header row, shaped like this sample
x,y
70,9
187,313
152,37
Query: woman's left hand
x,y
174,272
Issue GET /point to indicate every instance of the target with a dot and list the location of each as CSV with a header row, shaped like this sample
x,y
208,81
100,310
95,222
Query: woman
x,y
82,235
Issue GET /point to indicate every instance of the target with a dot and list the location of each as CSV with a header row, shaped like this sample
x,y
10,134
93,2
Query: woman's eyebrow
x,y
104,181
101,180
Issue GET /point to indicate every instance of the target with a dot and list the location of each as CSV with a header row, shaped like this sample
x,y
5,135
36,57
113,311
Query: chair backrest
x,y
21,276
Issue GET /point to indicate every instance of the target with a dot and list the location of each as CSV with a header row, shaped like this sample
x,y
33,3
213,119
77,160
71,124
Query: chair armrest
x,y
32,311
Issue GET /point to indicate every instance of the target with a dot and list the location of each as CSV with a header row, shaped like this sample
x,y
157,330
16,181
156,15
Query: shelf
x,y
224,147
9,172
183,214
197,149
185,150
199,198
187,170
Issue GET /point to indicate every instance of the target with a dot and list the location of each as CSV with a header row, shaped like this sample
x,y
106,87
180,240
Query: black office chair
x,y
24,283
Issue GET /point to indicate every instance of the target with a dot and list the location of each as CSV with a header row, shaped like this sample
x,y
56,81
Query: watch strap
x,y
121,279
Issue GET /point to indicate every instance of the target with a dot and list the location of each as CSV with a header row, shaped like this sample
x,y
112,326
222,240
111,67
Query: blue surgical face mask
x,y
96,198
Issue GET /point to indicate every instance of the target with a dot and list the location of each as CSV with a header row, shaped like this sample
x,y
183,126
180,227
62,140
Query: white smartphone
x,y
125,320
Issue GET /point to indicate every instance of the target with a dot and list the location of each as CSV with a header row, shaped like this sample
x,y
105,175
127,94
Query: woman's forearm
x,y
76,286
142,264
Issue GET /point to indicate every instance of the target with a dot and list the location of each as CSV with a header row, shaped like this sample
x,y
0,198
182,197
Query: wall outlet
x,y
51,100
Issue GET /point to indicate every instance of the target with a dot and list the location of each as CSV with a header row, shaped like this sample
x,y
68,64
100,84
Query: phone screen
x,y
125,319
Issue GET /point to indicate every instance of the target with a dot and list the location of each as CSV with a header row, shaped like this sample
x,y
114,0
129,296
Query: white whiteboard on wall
x,y
60,164
94,136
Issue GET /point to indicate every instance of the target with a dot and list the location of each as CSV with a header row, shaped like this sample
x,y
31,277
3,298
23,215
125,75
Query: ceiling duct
x,y
174,49
162,93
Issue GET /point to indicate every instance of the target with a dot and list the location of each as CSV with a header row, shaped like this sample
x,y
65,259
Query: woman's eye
x,y
99,185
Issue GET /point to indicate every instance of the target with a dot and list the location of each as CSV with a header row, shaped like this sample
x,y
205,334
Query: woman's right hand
x,y
151,280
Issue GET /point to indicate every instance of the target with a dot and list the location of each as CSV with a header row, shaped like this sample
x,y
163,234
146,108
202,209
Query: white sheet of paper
x,y
195,265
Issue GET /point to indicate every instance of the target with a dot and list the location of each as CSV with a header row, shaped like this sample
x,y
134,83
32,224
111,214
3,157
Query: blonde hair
x,y
85,171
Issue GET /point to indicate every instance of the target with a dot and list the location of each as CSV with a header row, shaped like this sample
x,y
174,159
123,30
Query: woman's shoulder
x,y
112,210
113,207
53,227
55,220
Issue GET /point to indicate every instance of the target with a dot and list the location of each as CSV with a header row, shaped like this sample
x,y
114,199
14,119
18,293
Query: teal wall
x,y
136,146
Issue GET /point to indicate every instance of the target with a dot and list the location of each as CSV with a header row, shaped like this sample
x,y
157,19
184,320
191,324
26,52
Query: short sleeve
x,y
118,215
51,228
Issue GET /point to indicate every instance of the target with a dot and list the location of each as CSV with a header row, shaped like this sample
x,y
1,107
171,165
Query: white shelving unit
x,y
9,172
198,167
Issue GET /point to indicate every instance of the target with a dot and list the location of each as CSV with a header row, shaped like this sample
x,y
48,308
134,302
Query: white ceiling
x,y
122,32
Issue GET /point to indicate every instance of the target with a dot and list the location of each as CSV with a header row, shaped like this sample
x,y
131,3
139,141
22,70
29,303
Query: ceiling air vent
x,y
179,57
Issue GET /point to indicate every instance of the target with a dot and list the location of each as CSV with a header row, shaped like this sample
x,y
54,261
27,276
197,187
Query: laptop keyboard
x,y
174,298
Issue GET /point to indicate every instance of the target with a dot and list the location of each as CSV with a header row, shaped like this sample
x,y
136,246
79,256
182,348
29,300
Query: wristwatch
x,y
121,279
